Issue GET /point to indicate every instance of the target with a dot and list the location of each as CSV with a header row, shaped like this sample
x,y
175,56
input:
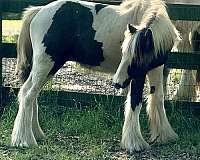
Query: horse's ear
x,y
131,28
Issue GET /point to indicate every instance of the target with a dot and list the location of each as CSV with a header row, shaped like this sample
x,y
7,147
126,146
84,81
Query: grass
x,y
94,133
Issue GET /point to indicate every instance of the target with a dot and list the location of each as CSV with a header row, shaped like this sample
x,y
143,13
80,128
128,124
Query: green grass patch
x,y
94,133
10,39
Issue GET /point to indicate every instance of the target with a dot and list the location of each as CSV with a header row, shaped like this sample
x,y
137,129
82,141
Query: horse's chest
x,y
72,37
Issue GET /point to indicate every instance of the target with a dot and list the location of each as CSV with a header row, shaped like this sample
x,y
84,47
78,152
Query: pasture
x,y
94,132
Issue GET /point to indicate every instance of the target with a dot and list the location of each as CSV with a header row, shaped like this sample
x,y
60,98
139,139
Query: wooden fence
x,y
176,60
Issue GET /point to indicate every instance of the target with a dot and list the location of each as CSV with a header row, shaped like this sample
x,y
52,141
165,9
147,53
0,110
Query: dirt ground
x,y
73,77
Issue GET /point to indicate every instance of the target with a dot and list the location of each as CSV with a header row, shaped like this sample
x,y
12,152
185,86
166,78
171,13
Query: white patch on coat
x,y
122,71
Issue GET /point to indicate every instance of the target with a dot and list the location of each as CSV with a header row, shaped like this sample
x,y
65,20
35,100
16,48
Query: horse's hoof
x,y
25,140
164,138
23,143
136,146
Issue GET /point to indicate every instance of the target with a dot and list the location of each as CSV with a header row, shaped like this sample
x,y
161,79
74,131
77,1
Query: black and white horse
x,y
92,34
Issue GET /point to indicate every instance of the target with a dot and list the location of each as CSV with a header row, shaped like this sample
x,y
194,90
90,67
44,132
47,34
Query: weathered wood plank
x,y
4,98
82,100
176,60
184,12
1,54
8,50
176,11
180,60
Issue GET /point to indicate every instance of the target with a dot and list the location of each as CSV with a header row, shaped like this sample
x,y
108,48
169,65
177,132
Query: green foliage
x,y
10,39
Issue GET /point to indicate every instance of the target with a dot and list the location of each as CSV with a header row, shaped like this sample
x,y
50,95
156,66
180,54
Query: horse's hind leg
x,y
39,79
22,134
25,124
161,130
186,87
37,131
195,41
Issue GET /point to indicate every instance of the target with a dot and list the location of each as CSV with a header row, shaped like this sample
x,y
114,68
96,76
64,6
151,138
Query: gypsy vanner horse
x,y
92,34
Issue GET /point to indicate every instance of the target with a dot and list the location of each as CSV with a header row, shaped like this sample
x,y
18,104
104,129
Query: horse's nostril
x,y
117,85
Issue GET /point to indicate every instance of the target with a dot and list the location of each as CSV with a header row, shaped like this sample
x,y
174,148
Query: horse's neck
x,y
133,15
113,20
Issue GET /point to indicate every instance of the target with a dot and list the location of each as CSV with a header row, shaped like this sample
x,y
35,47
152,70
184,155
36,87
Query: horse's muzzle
x,y
124,85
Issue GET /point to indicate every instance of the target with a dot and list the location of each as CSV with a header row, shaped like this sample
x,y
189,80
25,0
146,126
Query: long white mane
x,y
154,14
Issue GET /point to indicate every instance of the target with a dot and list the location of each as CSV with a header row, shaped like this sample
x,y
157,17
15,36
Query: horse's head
x,y
137,53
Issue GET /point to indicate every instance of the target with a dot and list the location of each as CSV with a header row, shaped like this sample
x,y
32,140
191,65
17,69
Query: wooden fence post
x,y
1,56
1,44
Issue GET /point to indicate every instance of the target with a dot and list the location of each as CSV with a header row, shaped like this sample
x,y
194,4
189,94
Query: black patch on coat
x,y
99,6
152,89
134,70
71,37
137,86
158,61
138,74
144,50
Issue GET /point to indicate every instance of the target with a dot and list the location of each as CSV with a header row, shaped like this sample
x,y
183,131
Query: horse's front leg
x,y
132,139
161,129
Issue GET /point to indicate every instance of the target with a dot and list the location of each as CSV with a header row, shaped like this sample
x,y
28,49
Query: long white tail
x,y
24,46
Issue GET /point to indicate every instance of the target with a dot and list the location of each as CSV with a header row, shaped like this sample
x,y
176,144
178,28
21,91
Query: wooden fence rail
x,y
176,12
